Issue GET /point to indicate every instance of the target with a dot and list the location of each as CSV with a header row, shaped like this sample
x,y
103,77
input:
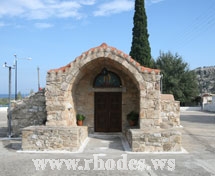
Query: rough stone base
x,y
45,138
27,112
154,140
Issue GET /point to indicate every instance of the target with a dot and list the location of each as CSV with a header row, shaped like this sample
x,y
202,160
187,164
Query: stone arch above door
x,y
60,82
85,93
72,69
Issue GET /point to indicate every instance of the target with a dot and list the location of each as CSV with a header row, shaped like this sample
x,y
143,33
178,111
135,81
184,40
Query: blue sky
x,y
54,32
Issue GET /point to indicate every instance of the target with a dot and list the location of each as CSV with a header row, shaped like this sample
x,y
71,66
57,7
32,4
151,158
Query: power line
x,y
202,23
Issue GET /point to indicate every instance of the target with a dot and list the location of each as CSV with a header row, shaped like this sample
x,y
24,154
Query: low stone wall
x,y
189,108
157,140
47,138
209,107
28,112
3,109
170,112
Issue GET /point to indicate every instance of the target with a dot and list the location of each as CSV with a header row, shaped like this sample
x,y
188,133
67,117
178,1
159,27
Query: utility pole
x,y
16,73
38,75
15,76
9,99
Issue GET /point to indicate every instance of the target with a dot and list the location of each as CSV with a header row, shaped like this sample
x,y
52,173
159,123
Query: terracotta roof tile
x,y
105,46
137,64
63,69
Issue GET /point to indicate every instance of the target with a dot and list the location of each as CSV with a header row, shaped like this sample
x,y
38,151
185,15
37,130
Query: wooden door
x,y
108,112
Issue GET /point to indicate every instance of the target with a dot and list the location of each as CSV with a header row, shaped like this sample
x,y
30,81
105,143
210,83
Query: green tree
x,y
31,91
3,101
140,49
19,96
177,78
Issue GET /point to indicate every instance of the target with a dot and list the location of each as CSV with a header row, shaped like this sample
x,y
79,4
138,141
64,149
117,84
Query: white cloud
x,y
67,9
150,2
87,2
43,25
113,7
156,1
9,10
43,9
78,9
54,9
33,4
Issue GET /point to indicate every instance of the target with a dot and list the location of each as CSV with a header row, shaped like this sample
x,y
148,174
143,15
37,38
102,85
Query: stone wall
x,y
44,138
150,101
170,111
164,137
209,107
27,112
154,140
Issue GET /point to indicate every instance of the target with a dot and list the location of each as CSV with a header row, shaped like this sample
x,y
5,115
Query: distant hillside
x,y
206,79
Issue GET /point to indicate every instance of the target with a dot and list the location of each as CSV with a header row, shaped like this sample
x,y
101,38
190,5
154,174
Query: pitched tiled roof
x,y
113,50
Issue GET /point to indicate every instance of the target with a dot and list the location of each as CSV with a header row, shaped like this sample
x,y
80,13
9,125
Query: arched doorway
x,y
108,102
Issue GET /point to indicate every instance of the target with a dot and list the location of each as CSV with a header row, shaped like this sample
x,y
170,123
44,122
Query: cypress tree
x,y
140,49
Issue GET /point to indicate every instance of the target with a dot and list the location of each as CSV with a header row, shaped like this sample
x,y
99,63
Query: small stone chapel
x,y
105,84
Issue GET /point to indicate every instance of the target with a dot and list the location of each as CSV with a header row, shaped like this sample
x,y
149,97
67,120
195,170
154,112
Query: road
x,y
198,134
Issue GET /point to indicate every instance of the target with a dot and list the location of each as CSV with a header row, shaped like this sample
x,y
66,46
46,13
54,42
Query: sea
x,y
12,98
12,95
6,96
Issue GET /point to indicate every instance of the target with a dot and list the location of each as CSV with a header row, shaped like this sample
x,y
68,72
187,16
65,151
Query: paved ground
x,y
198,141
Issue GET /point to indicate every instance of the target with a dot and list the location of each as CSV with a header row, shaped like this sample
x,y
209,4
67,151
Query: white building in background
x,y
209,102
213,99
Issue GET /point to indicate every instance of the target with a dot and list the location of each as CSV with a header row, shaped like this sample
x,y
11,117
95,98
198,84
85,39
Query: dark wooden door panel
x,y
108,112
101,112
115,122
101,123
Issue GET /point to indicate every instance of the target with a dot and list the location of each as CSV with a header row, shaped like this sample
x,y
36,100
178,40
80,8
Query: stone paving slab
x,y
104,144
